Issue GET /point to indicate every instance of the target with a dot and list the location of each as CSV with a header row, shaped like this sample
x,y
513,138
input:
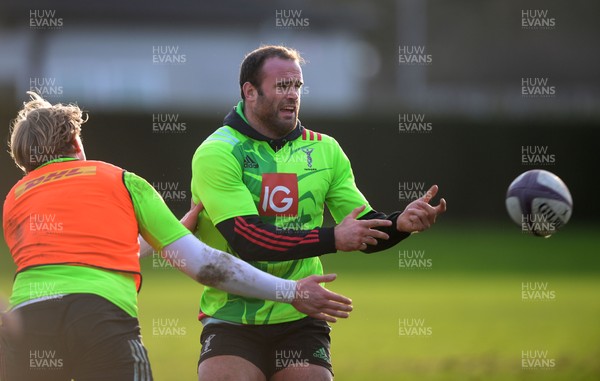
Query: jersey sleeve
x,y
217,182
343,195
156,222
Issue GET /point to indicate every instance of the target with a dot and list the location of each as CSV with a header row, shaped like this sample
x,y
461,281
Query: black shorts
x,y
271,347
80,336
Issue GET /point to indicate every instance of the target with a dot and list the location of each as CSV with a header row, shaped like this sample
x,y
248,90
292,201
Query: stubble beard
x,y
278,127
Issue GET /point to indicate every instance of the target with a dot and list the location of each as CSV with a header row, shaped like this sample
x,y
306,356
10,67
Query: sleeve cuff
x,y
327,238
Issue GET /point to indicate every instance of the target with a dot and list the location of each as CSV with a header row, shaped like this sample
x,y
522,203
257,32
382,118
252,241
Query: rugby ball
x,y
539,202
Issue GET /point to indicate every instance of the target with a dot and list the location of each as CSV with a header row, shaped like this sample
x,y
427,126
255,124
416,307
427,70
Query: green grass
x,y
470,297
479,326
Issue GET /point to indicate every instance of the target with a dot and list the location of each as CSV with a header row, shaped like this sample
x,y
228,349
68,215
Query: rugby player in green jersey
x,y
264,180
72,226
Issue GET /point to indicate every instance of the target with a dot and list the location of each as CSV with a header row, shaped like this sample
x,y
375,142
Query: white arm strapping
x,y
220,270
145,248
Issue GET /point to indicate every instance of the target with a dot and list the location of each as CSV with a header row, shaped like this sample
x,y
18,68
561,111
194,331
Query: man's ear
x,y
250,92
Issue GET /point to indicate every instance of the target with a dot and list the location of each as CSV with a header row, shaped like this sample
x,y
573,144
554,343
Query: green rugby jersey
x,y
238,172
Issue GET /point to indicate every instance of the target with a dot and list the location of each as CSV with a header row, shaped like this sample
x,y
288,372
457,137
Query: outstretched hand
x,y
419,215
317,302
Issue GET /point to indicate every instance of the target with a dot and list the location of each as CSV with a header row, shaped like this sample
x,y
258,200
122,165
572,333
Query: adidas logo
x,y
322,354
250,163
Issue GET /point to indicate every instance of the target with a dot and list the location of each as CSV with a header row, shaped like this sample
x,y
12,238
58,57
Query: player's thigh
x,y
233,352
229,368
30,344
310,372
105,342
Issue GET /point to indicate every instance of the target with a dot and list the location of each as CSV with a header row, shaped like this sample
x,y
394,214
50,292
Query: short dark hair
x,y
251,68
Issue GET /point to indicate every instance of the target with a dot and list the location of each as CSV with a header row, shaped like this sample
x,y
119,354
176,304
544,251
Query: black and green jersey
x,y
265,200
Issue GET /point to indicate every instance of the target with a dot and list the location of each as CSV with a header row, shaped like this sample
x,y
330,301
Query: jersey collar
x,y
237,120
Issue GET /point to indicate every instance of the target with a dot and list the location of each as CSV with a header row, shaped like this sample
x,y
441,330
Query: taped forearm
x,y
220,270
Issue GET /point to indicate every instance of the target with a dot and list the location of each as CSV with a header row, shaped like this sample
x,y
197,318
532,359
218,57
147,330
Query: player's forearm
x,y
395,235
254,240
220,270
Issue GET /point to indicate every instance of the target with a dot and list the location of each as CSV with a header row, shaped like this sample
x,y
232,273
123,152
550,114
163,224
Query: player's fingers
x,y
441,208
378,234
367,241
333,305
420,204
430,193
337,300
375,223
420,218
334,312
322,316
197,208
324,278
354,213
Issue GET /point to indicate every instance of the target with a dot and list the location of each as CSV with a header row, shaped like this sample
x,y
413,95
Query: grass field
x,y
465,297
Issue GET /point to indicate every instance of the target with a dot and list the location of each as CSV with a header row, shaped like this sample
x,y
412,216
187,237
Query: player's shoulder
x,y
222,140
225,135
315,136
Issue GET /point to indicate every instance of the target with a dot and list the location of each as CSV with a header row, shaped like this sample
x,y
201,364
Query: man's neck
x,y
262,129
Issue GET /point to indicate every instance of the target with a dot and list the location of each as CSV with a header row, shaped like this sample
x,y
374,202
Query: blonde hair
x,y
42,132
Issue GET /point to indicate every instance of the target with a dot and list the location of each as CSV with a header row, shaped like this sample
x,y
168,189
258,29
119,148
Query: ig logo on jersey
x,y
279,194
